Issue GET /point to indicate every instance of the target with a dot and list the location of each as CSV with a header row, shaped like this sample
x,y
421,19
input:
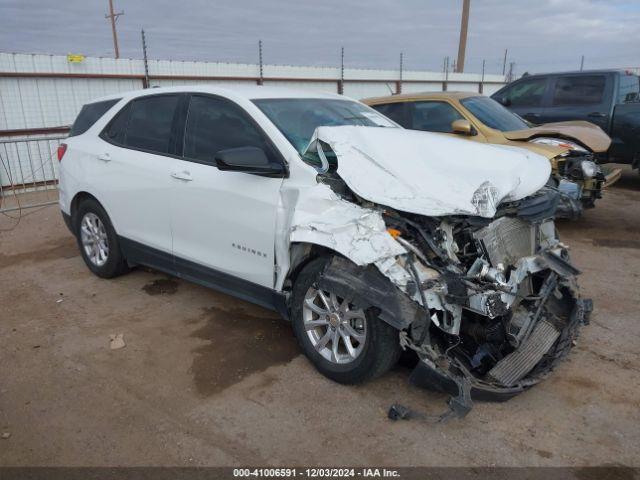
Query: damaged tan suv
x,y
571,147
370,238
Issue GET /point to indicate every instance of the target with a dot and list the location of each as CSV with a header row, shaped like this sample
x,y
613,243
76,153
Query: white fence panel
x,y
52,90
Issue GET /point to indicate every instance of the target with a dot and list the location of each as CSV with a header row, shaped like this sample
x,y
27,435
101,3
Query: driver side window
x,y
214,124
433,116
527,93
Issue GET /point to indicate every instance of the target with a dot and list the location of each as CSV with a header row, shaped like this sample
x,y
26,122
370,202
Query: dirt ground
x,y
206,379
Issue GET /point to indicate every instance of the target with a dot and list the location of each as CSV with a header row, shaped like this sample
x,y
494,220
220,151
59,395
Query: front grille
x,y
506,240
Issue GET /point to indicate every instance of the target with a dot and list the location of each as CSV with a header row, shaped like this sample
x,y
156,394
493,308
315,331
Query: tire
x,y
378,353
114,263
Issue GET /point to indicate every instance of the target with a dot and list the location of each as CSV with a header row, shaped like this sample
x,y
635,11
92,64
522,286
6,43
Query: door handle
x,y
597,115
530,114
105,157
184,175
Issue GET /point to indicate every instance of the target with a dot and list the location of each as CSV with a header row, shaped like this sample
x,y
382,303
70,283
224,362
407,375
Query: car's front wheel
x,y
345,343
98,241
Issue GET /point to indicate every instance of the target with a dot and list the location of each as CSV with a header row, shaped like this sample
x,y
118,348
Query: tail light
x,y
62,148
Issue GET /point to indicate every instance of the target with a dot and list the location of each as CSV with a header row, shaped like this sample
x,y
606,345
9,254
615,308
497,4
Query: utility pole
x,y
510,75
582,63
504,62
261,79
481,86
114,16
464,26
445,69
146,63
341,82
399,83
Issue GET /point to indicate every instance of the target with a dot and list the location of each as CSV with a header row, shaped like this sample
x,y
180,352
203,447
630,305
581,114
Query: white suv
x,y
368,237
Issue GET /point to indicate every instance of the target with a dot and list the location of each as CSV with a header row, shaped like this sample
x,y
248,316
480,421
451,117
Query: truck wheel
x,y
98,241
344,343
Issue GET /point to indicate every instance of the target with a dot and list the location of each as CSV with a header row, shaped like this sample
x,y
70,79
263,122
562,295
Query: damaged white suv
x,y
370,238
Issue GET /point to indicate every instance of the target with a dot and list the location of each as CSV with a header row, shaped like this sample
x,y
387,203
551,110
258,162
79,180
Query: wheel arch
x,y
300,254
75,204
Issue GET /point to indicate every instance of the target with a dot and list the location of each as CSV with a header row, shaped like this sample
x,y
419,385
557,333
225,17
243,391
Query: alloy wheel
x,y
93,236
336,329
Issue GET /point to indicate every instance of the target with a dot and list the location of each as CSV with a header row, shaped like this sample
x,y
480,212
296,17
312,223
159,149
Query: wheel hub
x,y
93,236
336,329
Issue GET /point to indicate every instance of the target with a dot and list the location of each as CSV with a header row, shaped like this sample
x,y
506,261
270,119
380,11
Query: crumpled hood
x,y
586,133
431,174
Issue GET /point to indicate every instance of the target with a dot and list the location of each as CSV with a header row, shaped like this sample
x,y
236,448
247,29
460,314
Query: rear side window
x,y
90,114
116,130
394,111
579,90
433,116
629,90
214,124
150,123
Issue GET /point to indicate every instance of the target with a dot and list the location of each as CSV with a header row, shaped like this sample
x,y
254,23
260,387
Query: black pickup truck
x,y
608,98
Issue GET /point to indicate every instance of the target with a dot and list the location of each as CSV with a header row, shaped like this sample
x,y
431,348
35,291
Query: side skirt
x,y
140,254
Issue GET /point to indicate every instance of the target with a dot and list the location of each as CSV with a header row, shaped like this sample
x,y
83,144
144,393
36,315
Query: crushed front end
x,y
579,180
498,298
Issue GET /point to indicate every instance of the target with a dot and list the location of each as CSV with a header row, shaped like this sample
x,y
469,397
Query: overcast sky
x,y
541,35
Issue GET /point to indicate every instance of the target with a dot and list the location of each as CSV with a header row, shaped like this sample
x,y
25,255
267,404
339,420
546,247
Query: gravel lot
x,y
206,379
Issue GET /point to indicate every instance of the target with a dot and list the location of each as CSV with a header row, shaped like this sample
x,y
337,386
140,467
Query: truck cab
x,y
607,98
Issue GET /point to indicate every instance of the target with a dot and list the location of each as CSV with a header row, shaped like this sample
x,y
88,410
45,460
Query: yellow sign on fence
x,y
75,58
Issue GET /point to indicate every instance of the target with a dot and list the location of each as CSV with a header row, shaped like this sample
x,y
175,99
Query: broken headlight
x,y
557,142
589,168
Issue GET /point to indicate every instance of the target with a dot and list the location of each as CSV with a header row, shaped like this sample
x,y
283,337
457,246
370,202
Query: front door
x,y
223,222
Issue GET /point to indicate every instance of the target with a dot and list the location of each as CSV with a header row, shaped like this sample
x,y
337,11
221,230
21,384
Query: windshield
x,y
298,118
493,115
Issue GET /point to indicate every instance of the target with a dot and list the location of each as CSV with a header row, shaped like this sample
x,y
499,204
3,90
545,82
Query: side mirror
x,y
249,160
462,127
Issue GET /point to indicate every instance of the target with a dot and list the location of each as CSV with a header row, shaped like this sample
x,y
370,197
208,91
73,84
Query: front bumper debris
x,y
523,368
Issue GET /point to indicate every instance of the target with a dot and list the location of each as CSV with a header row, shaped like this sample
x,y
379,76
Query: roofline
x,y
248,92
601,70
418,95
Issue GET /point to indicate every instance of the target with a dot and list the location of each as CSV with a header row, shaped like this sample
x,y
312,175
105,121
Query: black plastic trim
x,y
139,254
68,221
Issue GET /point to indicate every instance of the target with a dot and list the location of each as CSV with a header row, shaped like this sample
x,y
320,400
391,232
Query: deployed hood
x,y
588,134
431,174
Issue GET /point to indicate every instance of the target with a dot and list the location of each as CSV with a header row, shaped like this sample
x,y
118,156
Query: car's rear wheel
x,y
345,343
98,241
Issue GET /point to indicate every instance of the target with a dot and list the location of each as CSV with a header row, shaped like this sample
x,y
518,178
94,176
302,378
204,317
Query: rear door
x,y
525,97
131,177
581,97
223,221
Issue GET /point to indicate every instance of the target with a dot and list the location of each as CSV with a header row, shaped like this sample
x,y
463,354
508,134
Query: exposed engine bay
x,y
489,304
